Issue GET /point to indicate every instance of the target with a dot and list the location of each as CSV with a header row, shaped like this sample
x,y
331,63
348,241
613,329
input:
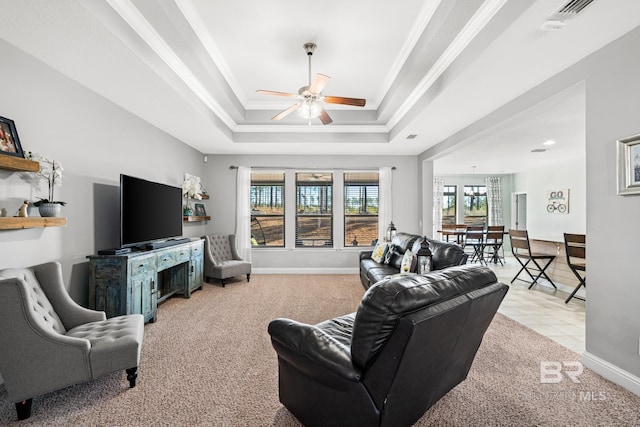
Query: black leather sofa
x,y
444,255
411,341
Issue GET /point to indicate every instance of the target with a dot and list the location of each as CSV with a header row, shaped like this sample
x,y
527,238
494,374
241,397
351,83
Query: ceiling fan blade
x,y
271,92
319,83
324,117
356,102
286,112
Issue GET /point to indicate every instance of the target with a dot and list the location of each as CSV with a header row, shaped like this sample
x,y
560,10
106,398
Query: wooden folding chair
x,y
474,240
575,246
493,241
521,250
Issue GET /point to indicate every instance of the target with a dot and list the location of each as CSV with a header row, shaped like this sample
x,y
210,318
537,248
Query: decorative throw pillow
x,y
390,250
379,251
408,262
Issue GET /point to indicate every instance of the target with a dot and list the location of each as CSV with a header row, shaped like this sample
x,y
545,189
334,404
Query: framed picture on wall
x,y
558,201
9,141
628,151
200,210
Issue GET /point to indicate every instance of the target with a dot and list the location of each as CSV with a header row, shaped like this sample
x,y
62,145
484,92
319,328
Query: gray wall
x,y
612,92
221,183
95,141
613,317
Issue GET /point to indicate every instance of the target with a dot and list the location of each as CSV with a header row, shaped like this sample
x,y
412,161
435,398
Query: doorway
x,y
519,211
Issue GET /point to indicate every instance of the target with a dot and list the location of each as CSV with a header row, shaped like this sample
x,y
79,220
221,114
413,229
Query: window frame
x,y
282,196
328,204
479,191
363,184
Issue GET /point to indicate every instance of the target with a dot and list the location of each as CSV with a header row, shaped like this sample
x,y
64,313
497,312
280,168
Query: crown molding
x,y
479,20
132,16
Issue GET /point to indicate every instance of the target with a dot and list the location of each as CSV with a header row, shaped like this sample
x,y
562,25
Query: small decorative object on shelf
x,y
191,189
22,212
200,211
51,171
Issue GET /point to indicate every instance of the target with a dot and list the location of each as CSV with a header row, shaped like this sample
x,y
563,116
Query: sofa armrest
x,y
365,254
314,352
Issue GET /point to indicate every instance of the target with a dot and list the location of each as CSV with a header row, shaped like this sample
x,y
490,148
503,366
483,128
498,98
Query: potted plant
x,y
51,171
190,191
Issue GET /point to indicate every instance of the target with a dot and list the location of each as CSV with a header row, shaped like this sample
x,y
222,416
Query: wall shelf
x,y
195,218
16,223
18,164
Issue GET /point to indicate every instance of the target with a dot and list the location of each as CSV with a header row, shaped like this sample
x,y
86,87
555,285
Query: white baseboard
x,y
612,372
314,270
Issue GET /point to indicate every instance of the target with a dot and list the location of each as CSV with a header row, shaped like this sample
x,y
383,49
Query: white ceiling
x,y
426,67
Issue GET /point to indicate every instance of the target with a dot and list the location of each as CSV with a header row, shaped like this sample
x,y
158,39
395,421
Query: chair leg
x,y
132,374
543,273
223,282
520,271
583,282
248,277
23,409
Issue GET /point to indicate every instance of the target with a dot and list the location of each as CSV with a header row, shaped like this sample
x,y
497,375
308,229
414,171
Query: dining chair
x,y
575,249
460,230
521,250
474,240
494,241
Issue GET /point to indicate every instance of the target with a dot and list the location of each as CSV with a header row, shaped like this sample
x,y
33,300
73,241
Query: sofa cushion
x,y
445,254
391,298
375,274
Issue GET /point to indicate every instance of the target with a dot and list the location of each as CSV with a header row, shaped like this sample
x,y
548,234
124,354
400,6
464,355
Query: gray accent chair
x,y
221,259
48,341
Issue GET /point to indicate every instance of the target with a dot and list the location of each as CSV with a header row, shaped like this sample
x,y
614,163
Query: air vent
x,y
538,150
412,136
570,10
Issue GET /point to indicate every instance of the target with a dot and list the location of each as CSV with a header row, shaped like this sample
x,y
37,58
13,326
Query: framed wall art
x,y
628,151
200,210
9,141
558,201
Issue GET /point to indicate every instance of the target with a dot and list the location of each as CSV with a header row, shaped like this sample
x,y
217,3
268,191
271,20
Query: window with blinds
x,y
314,209
267,209
360,208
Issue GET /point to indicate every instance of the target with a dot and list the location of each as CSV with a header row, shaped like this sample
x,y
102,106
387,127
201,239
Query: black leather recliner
x,y
411,341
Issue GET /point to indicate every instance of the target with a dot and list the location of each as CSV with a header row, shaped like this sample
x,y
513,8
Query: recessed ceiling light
x,y
549,142
538,150
412,136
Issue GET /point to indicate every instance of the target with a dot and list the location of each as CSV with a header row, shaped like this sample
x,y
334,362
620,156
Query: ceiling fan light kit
x,y
310,97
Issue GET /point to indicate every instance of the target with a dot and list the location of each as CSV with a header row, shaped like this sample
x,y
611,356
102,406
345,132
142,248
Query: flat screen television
x,y
149,211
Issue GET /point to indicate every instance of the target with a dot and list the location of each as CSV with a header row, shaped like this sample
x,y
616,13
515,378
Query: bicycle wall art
x,y
628,150
558,201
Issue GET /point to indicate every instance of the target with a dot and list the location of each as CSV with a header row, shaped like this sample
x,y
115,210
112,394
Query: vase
x,y
50,209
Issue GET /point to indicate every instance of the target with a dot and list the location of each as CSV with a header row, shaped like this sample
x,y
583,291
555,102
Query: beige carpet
x,y
208,361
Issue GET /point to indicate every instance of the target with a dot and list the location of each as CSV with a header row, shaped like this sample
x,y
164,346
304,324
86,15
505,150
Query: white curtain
x,y
438,190
494,200
385,201
243,212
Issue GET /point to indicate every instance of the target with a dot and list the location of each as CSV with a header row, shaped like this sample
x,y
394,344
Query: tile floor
x,y
542,308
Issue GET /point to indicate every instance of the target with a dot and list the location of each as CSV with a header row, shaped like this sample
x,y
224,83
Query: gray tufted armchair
x,y
221,259
48,342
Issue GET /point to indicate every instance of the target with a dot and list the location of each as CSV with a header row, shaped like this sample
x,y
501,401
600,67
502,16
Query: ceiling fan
x,y
309,97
